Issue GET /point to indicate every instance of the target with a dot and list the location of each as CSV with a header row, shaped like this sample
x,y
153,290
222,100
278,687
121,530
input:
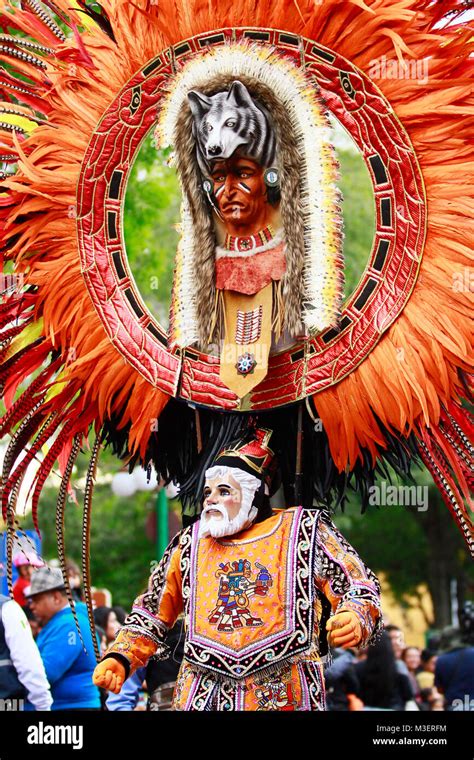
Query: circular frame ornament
x,y
315,362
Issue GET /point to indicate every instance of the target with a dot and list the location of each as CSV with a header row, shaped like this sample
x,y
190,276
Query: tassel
x,y
10,363
28,44
447,489
9,552
47,465
36,8
24,402
18,441
278,312
86,527
20,55
47,430
216,330
60,509
299,458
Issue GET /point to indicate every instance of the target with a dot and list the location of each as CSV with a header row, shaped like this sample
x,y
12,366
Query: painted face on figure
x,y
241,195
222,497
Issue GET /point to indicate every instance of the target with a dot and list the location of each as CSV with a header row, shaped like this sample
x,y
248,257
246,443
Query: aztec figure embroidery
x,y
235,591
276,693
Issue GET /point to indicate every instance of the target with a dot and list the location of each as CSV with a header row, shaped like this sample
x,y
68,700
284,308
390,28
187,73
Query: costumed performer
x,y
262,591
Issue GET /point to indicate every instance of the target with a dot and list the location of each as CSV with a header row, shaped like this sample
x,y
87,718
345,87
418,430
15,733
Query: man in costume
x,y
262,592
81,353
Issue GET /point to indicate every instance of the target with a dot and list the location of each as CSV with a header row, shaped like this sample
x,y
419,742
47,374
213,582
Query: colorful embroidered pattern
x,y
249,325
234,243
137,647
276,693
285,609
235,591
348,579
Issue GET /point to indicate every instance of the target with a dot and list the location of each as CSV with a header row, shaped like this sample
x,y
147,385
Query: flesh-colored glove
x,y
109,674
344,630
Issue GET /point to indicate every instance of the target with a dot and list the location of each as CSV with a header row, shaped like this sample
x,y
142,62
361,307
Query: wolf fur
x,y
229,120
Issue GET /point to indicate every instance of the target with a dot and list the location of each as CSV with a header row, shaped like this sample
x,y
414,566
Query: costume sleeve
x,y
153,614
346,581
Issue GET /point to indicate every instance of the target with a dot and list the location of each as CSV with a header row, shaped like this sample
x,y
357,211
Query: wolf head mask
x,y
226,121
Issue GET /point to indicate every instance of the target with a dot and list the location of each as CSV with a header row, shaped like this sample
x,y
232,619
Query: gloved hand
x,y
344,630
109,674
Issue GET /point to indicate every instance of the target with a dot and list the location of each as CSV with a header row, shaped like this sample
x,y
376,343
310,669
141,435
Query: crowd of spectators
x,y
47,663
391,675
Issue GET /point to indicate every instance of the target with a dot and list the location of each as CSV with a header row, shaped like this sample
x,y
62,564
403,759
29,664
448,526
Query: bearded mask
x,y
228,501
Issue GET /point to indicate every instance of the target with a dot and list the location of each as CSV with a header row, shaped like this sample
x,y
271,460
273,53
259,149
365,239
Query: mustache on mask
x,y
216,508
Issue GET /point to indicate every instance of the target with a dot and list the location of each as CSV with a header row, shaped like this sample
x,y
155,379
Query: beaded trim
x,y
272,649
249,242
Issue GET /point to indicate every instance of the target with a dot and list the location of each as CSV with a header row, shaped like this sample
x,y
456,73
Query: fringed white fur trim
x,y
323,270
185,324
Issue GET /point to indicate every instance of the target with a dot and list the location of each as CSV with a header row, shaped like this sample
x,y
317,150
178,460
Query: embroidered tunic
x,y
256,606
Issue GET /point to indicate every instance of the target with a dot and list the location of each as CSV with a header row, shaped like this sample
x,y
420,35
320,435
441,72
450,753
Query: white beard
x,y
217,528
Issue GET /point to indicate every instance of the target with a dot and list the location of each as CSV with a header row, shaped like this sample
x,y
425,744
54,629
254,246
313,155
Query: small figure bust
x,y
259,265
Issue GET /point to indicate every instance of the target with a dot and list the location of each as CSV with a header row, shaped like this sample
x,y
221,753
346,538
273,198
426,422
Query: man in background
x,y
68,663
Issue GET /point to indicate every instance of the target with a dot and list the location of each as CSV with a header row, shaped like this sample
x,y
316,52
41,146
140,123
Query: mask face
x,y
223,513
222,499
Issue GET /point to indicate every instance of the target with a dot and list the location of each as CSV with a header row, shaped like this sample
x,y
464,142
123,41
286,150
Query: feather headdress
x,y
80,353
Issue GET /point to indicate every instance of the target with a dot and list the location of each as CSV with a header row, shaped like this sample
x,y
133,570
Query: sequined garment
x,y
256,607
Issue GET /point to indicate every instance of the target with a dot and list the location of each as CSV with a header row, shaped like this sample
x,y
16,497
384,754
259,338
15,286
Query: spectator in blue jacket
x,y
68,665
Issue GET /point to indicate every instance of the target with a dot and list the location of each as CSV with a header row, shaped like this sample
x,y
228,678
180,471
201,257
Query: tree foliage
x,y
413,546
121,548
